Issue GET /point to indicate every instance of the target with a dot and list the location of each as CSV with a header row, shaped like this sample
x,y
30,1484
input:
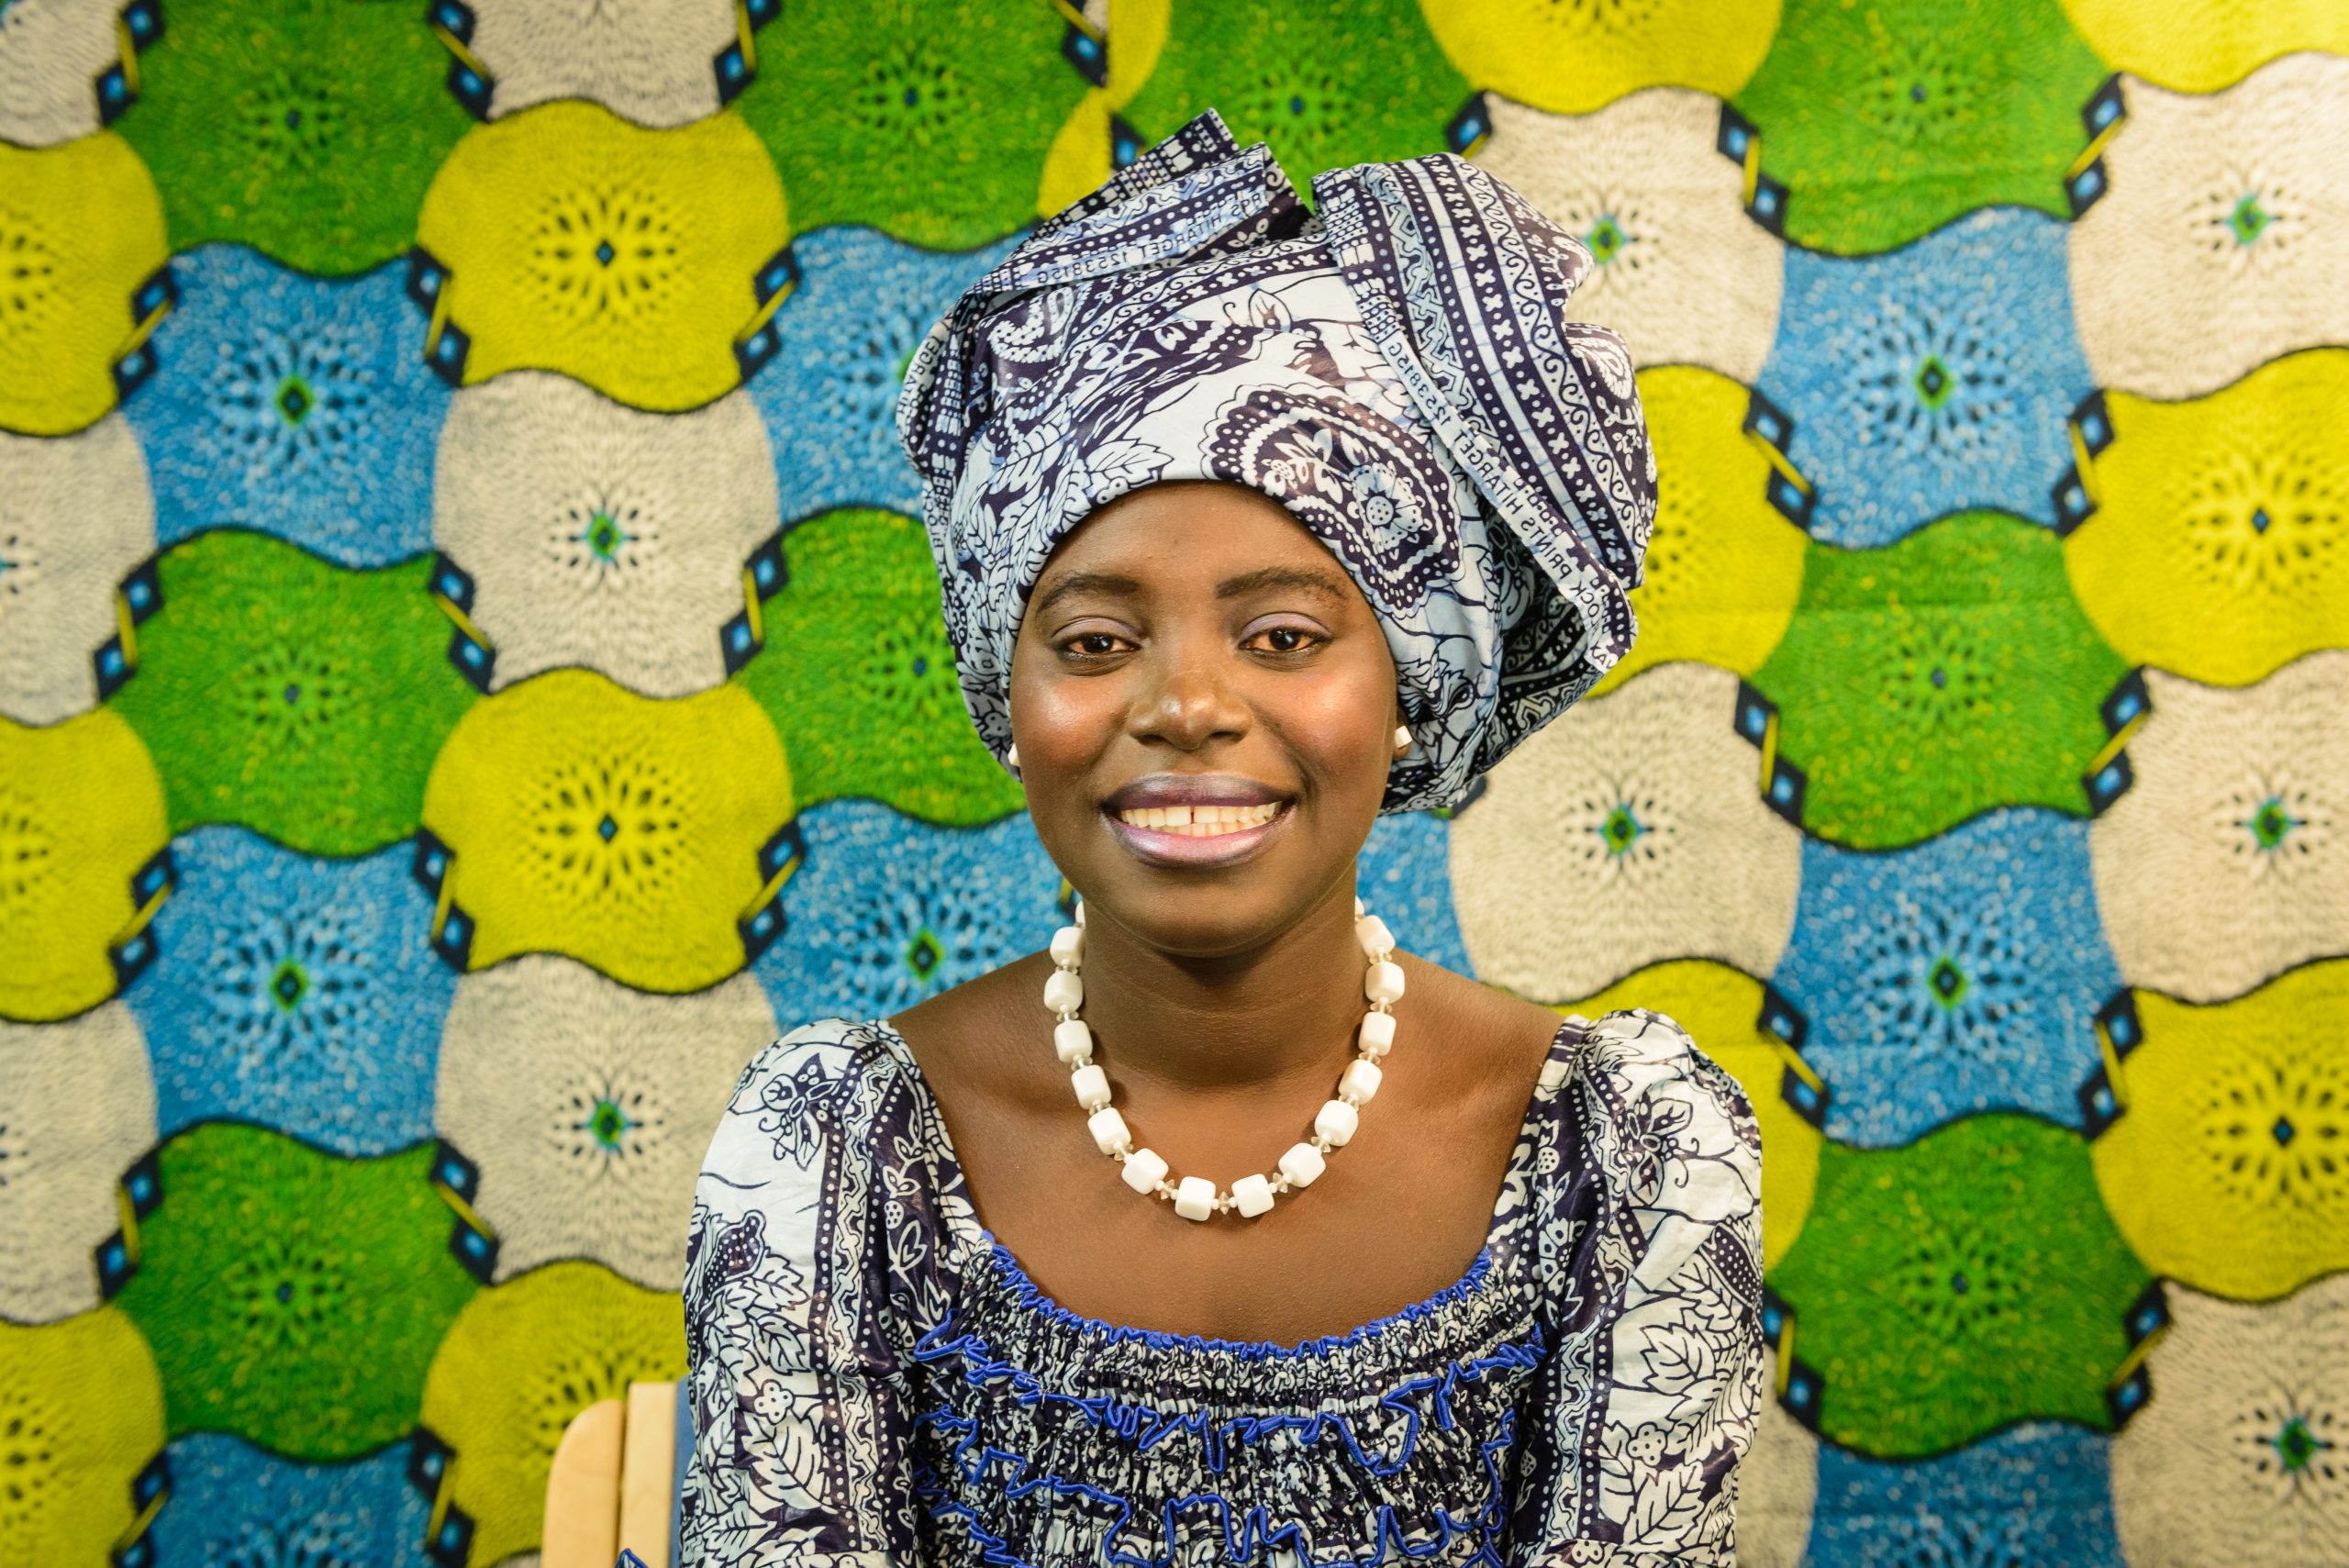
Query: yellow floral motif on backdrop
x,y
625,832
2220,547
2227,1170
519,1362
80,229
81,1415
620,256
81,812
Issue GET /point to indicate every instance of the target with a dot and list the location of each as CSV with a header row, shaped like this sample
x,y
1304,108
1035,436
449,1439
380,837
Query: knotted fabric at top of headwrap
x,y
1396,368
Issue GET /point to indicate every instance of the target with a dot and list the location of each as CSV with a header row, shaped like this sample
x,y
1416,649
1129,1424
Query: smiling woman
x,y
1251,526
1174,626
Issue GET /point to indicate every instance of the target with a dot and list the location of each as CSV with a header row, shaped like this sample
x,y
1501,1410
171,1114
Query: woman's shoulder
x,y
1639,1052
1669,1126
830,1071
825,1048
1496,1040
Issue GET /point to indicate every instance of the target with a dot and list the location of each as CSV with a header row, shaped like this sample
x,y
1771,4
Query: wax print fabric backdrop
x,y
470,678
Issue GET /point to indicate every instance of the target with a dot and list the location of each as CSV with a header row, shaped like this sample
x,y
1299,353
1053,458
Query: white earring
x,y
1011,757
1402,739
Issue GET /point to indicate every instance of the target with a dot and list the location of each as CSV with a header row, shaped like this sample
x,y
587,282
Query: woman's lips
x,y
1198,835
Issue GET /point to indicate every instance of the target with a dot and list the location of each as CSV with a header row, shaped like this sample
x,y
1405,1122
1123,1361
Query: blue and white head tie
x,y
1395,367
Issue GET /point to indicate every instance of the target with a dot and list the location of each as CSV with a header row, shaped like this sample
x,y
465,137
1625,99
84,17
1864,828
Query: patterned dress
x,y
876,1381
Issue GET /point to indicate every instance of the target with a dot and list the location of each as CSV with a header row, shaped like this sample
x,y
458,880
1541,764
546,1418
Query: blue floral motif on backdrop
x,y
1406,879
1931,379
241,1507
291,405
1960,975
829,398
2037,1492
299,994
887,911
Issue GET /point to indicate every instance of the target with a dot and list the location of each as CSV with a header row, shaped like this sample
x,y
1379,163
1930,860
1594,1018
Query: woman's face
x,y
1205,708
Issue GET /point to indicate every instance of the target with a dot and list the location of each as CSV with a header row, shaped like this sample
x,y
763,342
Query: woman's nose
x,y
1189,703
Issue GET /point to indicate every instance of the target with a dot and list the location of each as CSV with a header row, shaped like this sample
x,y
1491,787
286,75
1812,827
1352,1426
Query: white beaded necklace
x,y
1196,1197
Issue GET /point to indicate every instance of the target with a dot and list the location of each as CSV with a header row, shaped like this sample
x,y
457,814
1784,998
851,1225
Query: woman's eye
x,y
1092,644
1286,638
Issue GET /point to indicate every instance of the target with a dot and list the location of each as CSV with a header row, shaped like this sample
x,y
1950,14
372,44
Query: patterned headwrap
x,y
1395,367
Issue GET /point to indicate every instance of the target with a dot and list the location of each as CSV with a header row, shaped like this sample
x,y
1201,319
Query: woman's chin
x,y
1229,900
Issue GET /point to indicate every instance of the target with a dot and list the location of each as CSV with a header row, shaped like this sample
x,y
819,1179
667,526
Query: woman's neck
x,y
1242,1020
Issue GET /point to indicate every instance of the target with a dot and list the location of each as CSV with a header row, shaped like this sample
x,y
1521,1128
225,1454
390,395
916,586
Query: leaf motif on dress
x,y
1665,1504
788,1465
1679,1360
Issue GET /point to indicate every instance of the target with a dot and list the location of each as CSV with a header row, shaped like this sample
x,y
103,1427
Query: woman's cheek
x,y
1345,728
1064,724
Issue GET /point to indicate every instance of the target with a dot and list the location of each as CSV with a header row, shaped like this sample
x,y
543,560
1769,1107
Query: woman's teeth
x,y
1201,821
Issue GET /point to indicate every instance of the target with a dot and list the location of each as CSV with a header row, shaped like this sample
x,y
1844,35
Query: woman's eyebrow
x,y
1324,584
1085,583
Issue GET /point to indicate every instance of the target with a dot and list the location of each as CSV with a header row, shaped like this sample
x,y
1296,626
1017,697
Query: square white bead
x,y
1381,983
1074,1039
1376,1035
1108,1130
1360,1080
1376,940
1360,908
1068,946
1336,1121
1252,1196
1302,1165
1143,1170
1080,911
1065,990
1092,1087
1194,1199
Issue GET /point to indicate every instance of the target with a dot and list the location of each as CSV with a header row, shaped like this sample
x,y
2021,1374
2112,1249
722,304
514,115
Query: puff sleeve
x,y
800,1424
1652,1295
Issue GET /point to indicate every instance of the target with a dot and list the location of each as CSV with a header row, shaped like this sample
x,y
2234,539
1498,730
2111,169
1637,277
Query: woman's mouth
x,y
1201,821
1155,821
